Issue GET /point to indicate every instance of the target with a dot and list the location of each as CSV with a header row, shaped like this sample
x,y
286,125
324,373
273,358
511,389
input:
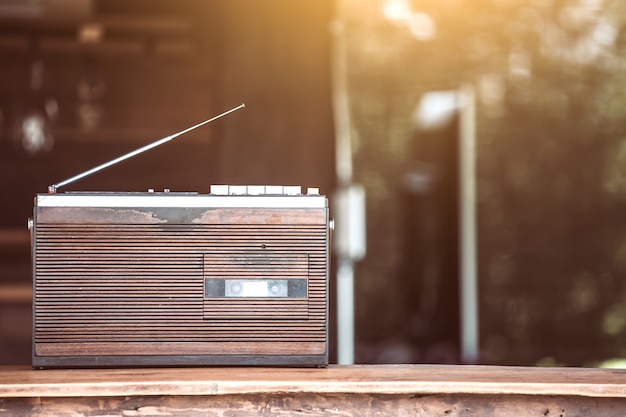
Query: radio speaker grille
x,y
145,283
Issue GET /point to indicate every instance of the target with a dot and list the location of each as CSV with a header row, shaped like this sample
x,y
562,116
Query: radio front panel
x,y
128,279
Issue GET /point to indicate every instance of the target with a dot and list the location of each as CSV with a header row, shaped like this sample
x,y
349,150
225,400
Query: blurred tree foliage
x,y
550,81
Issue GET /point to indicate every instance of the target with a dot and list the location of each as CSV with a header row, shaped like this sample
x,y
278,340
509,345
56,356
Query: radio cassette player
x,y
238,276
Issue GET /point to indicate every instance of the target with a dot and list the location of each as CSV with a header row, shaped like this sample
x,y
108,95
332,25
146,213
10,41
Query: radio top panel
x,y
236,196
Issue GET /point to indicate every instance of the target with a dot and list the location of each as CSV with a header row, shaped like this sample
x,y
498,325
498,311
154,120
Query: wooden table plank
x,y
366,379
303,405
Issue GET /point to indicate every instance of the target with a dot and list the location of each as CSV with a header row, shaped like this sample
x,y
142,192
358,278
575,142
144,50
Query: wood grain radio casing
x,y
238,276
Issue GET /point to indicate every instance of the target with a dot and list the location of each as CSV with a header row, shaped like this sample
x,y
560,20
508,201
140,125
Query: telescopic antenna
x,y
54,187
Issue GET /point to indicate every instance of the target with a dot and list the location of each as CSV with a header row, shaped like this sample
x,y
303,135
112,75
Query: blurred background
x,y
337,92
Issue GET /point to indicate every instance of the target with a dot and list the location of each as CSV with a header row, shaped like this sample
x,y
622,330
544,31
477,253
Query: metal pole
x,y
345,312
467,217
341,107
343,165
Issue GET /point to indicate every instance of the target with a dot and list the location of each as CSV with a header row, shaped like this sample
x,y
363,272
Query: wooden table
x,y
367,390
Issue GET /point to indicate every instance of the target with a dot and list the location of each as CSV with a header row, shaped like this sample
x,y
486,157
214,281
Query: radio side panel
x,y
129,286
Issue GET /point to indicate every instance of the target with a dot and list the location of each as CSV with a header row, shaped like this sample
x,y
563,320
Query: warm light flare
x,y
419,24
422,26
397,10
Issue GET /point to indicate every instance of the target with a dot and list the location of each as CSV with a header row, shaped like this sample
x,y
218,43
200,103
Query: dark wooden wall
x,y
174,65
291,139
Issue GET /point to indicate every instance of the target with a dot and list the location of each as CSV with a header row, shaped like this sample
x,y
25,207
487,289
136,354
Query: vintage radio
x,y
238,276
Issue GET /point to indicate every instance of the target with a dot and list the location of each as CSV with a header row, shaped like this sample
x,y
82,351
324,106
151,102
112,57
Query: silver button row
x,y
261,190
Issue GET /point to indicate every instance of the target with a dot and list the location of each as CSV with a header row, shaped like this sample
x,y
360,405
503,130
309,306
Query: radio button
x,y
274,189
256,189
292,190
219,189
